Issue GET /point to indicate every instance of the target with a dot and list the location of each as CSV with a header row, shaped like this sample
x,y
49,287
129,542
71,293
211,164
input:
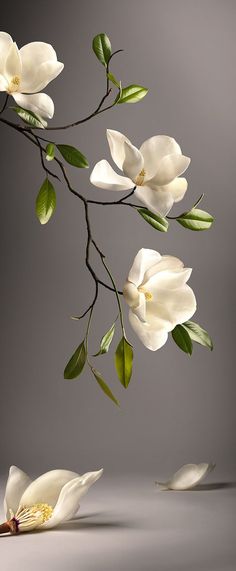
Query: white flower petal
x,y
116,143
105,177
143,261
165,263
188,476
176,188
17,483
37,79
69,498
39,103
5,44
133,162
12,63
167,279
3,83
169,168
176,305
46,488
158,201
153,151
152,337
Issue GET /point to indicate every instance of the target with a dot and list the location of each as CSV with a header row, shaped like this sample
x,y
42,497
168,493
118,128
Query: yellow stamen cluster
x,y
140,178
14,84
148,294
31,517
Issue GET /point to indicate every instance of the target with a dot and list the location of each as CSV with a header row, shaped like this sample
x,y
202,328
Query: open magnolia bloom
x,y
187,477
45,502
158,296
154,170
24,72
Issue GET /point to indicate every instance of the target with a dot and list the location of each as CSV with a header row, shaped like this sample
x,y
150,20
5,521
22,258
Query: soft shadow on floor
x,y
214,486
79,525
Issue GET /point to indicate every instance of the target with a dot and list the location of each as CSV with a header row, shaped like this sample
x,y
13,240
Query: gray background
x,y
176,409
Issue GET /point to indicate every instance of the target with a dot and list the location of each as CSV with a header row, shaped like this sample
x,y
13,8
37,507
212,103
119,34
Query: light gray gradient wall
x,y
177,409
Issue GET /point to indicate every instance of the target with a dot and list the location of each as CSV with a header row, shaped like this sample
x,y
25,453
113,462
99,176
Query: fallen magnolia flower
x,y
45,502
187,477
158,296
154,170
24,72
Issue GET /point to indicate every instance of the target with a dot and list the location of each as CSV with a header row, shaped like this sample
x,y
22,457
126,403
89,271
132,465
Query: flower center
x,y
28,518
140,178
14,84
148,294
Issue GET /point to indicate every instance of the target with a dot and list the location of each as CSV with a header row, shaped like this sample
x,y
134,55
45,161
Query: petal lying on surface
x,y
168,279
153,151
12,63
103,176
17,483
69,498
170,167
39,103
36,79
152,337
143,261
116,144
188,476
177,188
46,488
158,201
176,305
133,162
5,44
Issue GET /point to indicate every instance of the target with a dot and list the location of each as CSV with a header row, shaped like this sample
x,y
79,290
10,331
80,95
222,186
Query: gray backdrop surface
x,y
176,409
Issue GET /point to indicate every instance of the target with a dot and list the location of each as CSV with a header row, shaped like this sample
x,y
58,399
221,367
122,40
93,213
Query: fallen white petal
x,y
187,477
17,483
103,176
46,488
39,103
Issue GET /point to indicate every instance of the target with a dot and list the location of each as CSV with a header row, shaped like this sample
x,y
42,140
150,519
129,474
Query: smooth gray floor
x,y
126,524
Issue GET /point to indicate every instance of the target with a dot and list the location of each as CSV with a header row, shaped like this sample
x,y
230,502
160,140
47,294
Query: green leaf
x,y
102,48
50,151
198,334
196,220
45,202
131,94
124,361
76,364
113,79
182,339
157,222
73,156
106,341
30,118
104,386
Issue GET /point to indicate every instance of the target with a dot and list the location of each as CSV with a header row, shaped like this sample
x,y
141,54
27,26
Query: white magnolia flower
x,y
154,170
45,502
187,477
158,296
24,72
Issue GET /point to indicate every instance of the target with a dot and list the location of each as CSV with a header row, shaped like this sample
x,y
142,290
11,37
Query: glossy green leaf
x,y
76,364
198,334
103,385
196,220
30,118
131,94
182,339
73,156
157,222
124,361
102,48
106,341
45,202
50,151
113,79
